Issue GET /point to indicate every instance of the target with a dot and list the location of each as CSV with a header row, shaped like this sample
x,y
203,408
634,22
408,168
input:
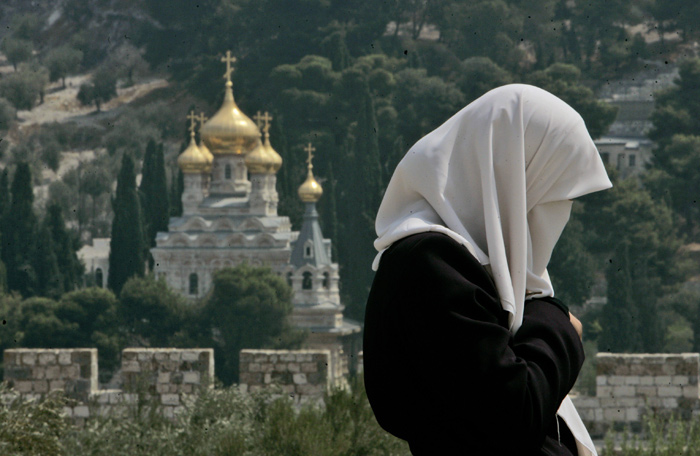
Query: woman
x,y
467,352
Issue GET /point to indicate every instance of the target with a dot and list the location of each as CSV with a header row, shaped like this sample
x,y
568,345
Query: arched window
x,y
289,279
308,249
306,283
99,277
194,284
227,172
326,281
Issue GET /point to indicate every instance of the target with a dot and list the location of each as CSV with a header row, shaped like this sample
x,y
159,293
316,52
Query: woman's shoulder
x,y
429,249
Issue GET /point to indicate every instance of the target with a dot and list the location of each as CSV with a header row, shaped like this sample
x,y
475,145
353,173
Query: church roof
x,y
310,247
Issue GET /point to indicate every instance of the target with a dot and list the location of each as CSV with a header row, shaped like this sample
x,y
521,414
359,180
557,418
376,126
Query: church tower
x,y
195,164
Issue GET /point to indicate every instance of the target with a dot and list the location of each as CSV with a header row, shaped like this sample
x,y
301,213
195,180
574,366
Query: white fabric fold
x,y
498,177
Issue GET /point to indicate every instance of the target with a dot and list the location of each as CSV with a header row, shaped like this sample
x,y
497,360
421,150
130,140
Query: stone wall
x,y
302,374
164,378
631,385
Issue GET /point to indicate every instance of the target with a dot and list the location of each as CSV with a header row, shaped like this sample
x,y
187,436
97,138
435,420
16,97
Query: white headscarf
x,y
498,178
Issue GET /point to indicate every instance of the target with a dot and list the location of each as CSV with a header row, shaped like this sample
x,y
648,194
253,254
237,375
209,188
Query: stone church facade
x,y
230,217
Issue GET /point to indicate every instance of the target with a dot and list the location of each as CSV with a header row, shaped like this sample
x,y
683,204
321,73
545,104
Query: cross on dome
x,y
193,118
228,59
201,118
309,150
263,120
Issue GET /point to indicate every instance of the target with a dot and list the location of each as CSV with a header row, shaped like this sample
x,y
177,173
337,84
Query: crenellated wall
x,y
630,385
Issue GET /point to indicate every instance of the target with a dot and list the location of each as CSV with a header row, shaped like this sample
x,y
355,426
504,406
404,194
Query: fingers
x,y
577,325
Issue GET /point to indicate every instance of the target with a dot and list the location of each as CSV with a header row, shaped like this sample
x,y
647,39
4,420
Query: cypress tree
x,y
127,246
69,266
20,232
49,281
4,205
160,205
177,186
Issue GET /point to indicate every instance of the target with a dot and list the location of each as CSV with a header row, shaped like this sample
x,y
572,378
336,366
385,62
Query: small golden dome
x,y
310,191
275,158
258,161
207,153
229,131
192,160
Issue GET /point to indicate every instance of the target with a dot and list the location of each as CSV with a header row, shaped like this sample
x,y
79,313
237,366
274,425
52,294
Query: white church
x,y
230,217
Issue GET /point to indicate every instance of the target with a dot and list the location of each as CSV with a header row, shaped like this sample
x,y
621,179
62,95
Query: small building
x,y
95,257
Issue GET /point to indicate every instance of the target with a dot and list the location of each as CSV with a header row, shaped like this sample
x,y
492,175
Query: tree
x,y
20,89
177,186
126,62
248,308
102,89
639,239
7,114
153,314
20,231
479,75
155,190
16,50
127,246
49,282
61,61
64,247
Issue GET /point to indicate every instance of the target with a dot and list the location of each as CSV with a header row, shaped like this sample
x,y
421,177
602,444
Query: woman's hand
x,y
577,325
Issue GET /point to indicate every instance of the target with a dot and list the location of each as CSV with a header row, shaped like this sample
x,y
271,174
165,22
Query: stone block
x,y
647,391
190,355
81,411
163,377
68,412
267,367
29,358
310,390
601,380
299,379
646,380
170,399
53,372
131,366
11,357
144,355
23,386
604,391
46,358
680,380
64,358
293,367
616,380
57,385
632,380
690,391
38,372
309,367
18,372
662,380
70,371
669,402
188,388
162,388
254,367
40,386
623,391
260,359
191,377
670,391
175,356
632,414
614,414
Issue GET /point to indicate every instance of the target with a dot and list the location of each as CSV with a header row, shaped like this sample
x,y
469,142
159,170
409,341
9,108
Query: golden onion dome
x,y
207,153
192,160
275,158
229,131
310,191
258,160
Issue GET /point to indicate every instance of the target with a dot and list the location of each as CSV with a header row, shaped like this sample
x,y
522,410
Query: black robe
x,y
442,370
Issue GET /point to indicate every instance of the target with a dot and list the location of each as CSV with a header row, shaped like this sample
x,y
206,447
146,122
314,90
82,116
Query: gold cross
x,y
228,59
192,117
201,118
309,149
265,118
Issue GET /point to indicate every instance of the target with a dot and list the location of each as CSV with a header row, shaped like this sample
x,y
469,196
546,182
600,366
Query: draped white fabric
x,y
498,177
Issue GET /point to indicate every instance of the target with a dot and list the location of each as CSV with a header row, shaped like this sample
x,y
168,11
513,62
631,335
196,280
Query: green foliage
x,y
127,245
61,61
225,422
21,89
7,114
248,308
16,50
102,88
25,26
19,234
154,188
32,428
662,436
153,314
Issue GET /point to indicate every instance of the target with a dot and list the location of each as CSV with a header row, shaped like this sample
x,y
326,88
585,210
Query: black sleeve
x,y
442,368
